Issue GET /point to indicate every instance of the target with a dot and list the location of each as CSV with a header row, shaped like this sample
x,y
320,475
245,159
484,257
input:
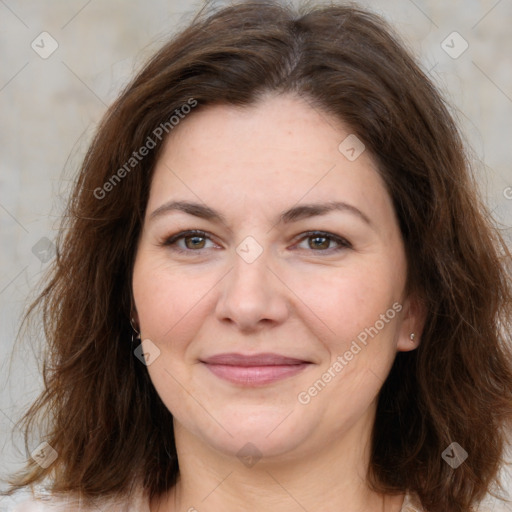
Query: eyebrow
x,y
294,214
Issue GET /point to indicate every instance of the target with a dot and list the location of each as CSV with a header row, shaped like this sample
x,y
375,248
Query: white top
x,y
45,503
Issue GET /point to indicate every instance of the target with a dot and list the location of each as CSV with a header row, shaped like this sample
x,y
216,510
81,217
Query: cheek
x,y
357,314
170,308
168,302
348,301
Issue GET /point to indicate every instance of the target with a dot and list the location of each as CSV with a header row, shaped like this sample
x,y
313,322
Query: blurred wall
x,y
64,61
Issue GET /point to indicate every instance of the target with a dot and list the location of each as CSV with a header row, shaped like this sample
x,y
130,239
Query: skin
x,y
301,298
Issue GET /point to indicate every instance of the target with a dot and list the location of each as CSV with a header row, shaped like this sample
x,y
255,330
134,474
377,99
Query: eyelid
x,y
342,242
171,240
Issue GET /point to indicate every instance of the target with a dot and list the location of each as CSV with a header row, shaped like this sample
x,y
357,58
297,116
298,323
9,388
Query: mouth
x,y
254,370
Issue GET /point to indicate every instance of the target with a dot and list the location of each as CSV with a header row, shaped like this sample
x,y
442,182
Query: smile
x,y
254,370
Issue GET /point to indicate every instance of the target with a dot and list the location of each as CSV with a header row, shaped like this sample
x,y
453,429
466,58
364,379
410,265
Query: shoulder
x,y
27,506
411,504
42,501
38,505
50,505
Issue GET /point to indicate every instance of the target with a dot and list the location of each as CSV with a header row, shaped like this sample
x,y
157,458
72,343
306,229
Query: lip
x,y
254,370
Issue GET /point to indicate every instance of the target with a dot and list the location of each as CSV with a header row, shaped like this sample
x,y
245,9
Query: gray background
x,y
50,108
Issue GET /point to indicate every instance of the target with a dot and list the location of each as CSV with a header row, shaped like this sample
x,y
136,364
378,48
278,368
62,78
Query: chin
x,y
259,433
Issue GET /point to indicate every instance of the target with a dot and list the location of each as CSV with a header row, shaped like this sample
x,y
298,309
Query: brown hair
x,y
103,415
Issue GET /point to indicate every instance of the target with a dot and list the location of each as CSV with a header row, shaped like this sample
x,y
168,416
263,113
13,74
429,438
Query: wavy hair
x,y
99,408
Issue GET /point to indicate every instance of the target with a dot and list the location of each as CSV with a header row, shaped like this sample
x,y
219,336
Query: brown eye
x,y
319,241
188,241
194,242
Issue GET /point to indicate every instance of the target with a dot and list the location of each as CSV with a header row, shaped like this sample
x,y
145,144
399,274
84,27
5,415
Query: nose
x,y
252,296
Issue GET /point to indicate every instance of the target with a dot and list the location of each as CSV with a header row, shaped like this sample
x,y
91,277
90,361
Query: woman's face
x,y
315,294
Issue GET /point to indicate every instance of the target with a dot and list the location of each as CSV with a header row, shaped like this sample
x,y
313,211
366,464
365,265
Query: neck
x,y
331,478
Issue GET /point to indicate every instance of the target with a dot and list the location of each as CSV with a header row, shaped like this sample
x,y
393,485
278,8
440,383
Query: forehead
x,y
271,154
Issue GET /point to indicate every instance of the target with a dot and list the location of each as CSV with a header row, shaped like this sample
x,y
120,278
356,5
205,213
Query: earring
x,y
412,336
134,331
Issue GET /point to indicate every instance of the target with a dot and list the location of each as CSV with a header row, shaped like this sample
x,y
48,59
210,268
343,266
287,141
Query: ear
x,y
413,322
134,317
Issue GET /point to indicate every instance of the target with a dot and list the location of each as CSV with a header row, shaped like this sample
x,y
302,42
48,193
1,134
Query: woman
x,y
278,288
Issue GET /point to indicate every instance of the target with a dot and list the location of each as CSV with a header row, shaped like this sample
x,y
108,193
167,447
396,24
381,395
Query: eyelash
x,y
172,240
